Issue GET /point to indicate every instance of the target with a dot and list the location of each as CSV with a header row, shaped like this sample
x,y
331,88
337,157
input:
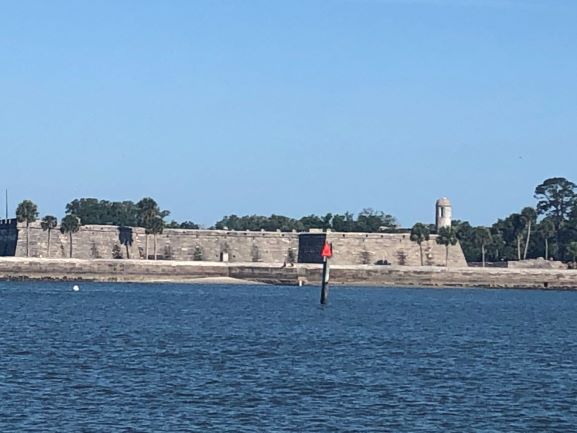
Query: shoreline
x,y
161,271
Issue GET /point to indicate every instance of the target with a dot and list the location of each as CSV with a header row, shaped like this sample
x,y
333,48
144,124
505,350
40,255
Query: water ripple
x,y
177,358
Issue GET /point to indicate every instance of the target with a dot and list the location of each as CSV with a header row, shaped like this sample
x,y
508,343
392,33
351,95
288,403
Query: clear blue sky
x,y
291,107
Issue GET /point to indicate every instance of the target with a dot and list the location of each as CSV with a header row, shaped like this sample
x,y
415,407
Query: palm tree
x,y
419,234
70,224
156,227
497,245
547,229
482,237
572,249
148,210
48,223
517,227
27,212
447,236
529,217
125,238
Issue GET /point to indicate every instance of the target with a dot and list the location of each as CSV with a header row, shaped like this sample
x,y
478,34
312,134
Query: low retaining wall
x,y
178,271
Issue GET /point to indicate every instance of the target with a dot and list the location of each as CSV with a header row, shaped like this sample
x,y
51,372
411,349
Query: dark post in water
x,y
327,253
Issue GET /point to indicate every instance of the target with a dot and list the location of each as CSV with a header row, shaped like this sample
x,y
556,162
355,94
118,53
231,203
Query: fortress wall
x,y
91,242
244,246
396,249
106,242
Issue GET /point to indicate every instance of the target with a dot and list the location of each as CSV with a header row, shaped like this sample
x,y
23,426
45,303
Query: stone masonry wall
x,y
396,249
107,242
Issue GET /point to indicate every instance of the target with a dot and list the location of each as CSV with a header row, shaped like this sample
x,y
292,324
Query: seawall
x,y
274,273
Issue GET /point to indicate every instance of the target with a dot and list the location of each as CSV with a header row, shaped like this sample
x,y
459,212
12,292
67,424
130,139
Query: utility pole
x,y
6,203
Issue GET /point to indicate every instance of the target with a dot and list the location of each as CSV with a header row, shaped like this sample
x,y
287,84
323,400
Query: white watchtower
x,y
444,213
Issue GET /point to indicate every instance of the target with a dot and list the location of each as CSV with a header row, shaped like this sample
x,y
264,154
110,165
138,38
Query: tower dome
x,y
444,213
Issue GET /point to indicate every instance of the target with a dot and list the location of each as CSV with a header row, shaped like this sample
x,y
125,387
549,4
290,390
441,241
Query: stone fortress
x,y
112,242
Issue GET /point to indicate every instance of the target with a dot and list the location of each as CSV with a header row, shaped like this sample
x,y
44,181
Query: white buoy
x,y
76,288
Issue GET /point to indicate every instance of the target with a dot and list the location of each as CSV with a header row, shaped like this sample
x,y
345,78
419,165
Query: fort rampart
x,y
111,242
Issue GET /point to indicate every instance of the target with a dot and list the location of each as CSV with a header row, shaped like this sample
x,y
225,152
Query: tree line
x,y
367,221
548,230
146,213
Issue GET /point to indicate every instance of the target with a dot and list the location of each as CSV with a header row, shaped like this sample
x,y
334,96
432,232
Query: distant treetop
x,y
367,221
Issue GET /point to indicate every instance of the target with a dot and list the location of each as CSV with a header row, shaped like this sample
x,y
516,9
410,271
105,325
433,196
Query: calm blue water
x,y
178,358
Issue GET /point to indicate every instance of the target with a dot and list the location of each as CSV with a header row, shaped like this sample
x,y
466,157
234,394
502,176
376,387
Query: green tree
x,y
229,222
148,212
466,236
447,236
156,227
279,222
27,212
547,231
103,212
312,222
172,225
343,223
506,235
256,223
90,211
189,225
482,238
70,224
123,214
495,250
48,224
513,230
368,221
126,238
371,221
419,234
572,250
529,218
556,198
87,210
518,224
